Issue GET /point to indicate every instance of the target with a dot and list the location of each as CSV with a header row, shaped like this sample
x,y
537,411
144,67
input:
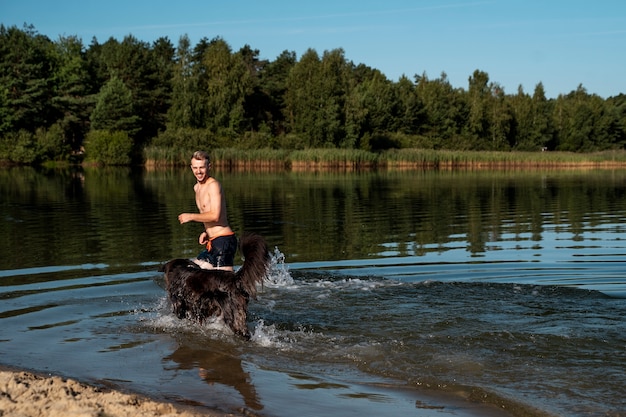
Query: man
x,y
220,240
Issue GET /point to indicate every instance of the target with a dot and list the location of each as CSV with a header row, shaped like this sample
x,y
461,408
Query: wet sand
x,y
28,394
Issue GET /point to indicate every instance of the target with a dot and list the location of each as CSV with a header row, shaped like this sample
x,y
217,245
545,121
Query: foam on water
x,y
161,318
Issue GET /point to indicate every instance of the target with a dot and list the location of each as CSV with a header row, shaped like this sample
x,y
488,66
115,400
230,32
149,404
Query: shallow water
x,y
424,293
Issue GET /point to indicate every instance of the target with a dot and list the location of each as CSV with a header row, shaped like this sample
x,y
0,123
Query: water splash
x,y
271,335
161,319
266,335
278,275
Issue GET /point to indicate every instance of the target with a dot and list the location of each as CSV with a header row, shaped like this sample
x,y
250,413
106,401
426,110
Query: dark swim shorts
x,y
221,251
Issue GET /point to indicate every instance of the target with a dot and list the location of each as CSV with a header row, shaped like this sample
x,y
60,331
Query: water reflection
x,y
122,216
368,215
215,367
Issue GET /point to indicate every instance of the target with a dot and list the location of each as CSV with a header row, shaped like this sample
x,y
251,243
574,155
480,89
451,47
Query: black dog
x,y
198,294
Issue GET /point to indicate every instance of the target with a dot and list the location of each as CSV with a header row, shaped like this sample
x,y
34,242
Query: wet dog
x,y
199,294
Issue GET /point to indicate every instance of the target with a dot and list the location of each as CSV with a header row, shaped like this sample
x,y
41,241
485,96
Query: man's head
x,y
201,156
200,165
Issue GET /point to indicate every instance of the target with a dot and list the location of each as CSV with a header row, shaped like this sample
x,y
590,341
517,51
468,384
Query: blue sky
x,y
517,42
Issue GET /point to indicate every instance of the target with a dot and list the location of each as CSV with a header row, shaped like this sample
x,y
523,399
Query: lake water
x,y
391,293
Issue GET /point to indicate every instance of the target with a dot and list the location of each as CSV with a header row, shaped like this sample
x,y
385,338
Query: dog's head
x,y
173,268
176,271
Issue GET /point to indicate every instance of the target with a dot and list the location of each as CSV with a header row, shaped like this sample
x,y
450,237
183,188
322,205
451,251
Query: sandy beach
x,y
25,394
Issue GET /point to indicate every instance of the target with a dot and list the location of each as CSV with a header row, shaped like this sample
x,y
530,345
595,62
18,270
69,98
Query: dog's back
x,y
198,294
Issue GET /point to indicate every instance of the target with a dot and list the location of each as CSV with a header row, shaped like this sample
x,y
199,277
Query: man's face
x,y
200,168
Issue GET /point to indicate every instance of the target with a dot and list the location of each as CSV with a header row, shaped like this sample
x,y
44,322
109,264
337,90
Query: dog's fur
x,y
199,294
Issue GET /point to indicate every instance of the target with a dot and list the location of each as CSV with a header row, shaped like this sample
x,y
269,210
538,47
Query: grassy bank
x,y
392,159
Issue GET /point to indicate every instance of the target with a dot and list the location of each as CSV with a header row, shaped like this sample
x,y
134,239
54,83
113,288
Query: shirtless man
x,y
218,237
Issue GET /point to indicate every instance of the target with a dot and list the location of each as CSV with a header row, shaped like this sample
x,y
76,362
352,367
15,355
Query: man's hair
x,y
201,156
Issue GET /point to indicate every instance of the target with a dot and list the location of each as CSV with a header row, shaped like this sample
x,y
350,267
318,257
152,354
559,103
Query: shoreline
x,y
336,159
29,393
331,166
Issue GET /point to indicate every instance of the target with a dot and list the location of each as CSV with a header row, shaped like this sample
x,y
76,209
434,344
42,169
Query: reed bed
x,y
491,159
155,156
233,158
332,158
250,158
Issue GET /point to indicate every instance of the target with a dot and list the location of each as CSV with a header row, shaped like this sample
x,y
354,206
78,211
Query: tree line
x,y
64,101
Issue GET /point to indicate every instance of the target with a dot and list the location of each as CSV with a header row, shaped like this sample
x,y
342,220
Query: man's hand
x,y
185,217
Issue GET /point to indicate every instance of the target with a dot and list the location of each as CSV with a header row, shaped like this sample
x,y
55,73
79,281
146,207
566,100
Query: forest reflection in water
x,y
309,216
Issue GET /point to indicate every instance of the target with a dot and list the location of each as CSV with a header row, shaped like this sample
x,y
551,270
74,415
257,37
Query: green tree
x,y
256,100
531,120
478,95
159,85
109,147
144,73
114,109
334,82
585,123
445,111
411,111
186,110
541,127
301,98
27,67
500,119
315,99
357,126
74,98
51,144
19,147
228,82
618,103
273,86
372,111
